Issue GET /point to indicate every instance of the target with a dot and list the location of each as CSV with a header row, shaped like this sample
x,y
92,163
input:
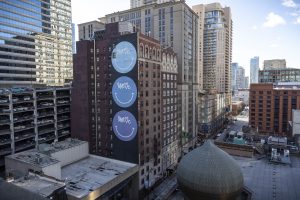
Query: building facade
x,y
240,78
217,49
154,114
275,64
234,68
214,62
242,95
212,113
175,25
254,69
140,3
279,75
169,115
271,105
246,82
86,30
35,43
29,117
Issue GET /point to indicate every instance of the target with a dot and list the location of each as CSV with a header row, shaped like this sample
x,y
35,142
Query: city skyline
x,y
273,29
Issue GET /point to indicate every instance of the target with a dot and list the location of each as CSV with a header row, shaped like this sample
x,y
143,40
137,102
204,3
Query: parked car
x,y
3,100
26,98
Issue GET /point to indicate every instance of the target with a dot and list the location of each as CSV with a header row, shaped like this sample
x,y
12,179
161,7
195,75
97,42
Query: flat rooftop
x,y
34,158
10,191
265,180
271,181
60,146
38,185
96,173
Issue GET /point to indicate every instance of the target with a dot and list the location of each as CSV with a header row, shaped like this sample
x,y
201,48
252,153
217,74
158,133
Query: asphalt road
x,y
242,120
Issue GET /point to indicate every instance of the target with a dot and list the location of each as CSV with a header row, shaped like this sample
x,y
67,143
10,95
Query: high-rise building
x,y
279,75
254,68
240,78
139,3
125,84
214,65
217,38
73,39
175,25
36,42
271,105
234,68
274,64
246,82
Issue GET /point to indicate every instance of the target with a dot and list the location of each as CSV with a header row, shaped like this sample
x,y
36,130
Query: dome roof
x,y
209,173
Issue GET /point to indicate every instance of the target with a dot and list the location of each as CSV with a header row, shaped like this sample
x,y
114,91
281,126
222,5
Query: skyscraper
x,y
254,68
73,39
234,68
36,42
217,39
175,25
246,82
240,78
214,65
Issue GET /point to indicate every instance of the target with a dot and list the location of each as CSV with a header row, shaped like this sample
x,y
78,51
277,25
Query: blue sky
x,y
269,29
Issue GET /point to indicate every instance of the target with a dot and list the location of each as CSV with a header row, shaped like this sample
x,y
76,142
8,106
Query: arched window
x,y
141,50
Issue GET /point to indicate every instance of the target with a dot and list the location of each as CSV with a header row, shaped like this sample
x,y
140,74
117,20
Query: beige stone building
x,y
86,30
139,3
214,63
274,64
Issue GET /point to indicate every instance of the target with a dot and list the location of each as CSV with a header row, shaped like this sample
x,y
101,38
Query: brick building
x,y
96,103
271,105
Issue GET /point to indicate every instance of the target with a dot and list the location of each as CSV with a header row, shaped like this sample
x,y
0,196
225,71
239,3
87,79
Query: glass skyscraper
x,y
35,42
254,69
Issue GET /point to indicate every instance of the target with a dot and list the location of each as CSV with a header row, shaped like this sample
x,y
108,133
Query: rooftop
x,y
10,191
34,158
60,146
265,180
271,181
95,172
38,185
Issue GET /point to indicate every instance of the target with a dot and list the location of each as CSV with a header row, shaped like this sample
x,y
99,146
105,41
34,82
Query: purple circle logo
x,y
124,125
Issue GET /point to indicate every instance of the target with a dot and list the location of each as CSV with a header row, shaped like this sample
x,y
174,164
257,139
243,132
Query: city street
x,y
242,120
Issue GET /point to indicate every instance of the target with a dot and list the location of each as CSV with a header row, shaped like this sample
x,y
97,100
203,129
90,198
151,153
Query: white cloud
x,y
254,27
274,45
289,3
273,20
297,20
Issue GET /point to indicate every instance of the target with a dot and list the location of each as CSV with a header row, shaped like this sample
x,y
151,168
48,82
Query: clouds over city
x,y
289,3
273,20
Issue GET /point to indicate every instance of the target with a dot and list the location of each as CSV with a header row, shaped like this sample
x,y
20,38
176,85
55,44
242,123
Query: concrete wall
x,y
53,171
18,168
72,154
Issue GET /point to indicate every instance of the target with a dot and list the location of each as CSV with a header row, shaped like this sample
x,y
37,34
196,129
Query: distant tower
x,y
73,39
254,69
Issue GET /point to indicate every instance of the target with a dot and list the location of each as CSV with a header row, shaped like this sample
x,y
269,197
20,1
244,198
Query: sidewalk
x,y
164,189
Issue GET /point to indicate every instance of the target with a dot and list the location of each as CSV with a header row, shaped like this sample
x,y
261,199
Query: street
x,y
242,120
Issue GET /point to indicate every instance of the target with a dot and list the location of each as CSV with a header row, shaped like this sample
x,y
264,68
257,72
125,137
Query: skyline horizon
x,y
279,24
